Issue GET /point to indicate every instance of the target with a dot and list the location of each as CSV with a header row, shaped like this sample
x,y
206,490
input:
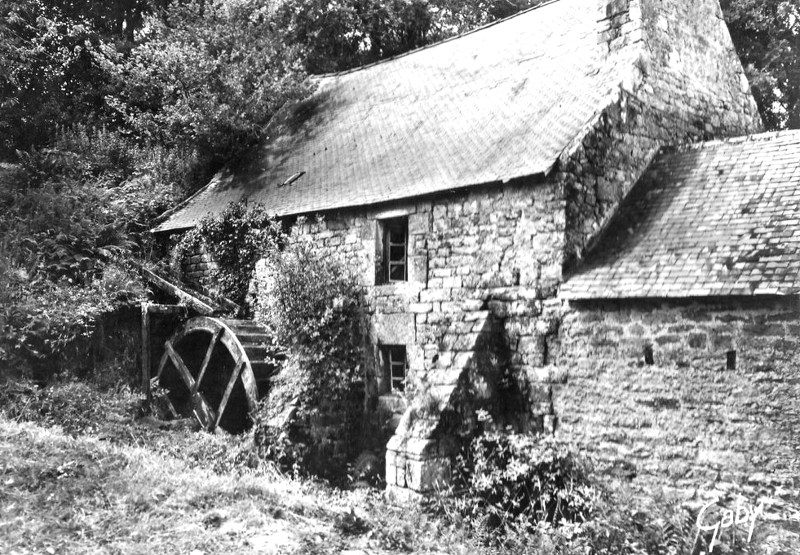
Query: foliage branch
x,y
312,305
236,239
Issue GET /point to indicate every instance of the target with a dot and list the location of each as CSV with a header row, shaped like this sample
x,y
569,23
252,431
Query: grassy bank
x,y
102,493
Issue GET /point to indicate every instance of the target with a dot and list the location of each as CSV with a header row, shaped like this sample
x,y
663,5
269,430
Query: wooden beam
x,y
190,300
204,413
146,350
229,389
148,309
180,365
153,308
207,359
161,365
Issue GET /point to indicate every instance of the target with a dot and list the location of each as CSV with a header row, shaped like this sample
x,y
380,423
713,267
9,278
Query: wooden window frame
x,y
395,357
392,228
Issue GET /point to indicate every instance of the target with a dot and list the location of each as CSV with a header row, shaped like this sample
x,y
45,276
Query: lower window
x,y
394,362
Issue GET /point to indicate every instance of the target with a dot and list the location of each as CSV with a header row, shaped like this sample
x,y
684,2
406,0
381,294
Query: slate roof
x,y
499,103
719,218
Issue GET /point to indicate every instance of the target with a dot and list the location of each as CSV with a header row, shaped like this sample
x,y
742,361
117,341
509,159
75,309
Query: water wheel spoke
x,y
207,359
161,365
228,389
180,366
203,412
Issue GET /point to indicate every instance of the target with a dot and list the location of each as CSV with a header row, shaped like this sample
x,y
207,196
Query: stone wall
x,y
198,268
652,390
685,84
481,264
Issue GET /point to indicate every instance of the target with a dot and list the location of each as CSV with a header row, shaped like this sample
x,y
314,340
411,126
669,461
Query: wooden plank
x,y
166,309
251,389
179,364
200,408
207,359
190,300
203,412
146,350
228,389
162,363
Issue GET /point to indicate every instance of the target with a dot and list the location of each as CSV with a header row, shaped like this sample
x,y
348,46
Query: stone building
x,y
538,250
686,314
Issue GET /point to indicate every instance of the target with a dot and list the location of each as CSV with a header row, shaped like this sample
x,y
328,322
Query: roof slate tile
x,y
496,104
697,231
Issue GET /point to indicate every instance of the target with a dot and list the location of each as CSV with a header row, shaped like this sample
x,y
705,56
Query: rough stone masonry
x,y
480,308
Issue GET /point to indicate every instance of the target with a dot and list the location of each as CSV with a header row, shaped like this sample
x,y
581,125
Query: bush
x,y
313,309
314,301
515,483
632,525
47,328
77,407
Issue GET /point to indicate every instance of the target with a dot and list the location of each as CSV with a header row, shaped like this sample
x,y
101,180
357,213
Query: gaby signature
x,y
742,513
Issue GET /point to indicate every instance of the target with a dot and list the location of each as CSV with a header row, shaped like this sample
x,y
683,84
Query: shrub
x,y
77,407
313,308
47,328
313,302
516,482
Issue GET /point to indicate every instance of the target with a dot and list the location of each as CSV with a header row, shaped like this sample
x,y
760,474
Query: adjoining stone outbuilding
x,y
682,328
465,180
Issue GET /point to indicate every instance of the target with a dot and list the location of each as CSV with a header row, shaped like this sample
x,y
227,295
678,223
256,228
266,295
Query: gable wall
x,y
687,423
687,85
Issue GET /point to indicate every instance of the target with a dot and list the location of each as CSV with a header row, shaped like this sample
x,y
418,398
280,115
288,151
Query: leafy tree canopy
x,y
767,37
341,34
208,75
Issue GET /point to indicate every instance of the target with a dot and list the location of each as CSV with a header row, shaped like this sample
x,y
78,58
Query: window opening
x,y
731,360
395,249
648,355
395,360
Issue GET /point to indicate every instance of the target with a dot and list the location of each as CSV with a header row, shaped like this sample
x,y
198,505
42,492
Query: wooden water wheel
x,y
216,369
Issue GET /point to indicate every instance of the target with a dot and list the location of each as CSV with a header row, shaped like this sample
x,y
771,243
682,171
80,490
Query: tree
x,y
336,35
766,34
207,77
50,74
113,19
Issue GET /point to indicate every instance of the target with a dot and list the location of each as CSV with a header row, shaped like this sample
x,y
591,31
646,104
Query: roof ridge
x,y
750,138
433,44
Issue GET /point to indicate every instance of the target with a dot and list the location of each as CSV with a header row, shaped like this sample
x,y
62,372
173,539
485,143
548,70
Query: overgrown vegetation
x,y
236,239
313,310
70,221
517,481
111,478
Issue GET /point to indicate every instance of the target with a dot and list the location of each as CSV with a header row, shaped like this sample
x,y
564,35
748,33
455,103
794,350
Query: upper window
x,y
395,250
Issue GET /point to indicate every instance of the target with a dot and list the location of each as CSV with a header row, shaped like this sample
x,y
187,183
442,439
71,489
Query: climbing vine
x,y
312,305
235,239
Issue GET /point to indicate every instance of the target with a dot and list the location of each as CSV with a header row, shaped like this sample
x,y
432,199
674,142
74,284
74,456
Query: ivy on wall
x,y
236,239
312,306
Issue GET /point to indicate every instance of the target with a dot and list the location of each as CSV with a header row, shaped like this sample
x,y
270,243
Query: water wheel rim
x,y
208,416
